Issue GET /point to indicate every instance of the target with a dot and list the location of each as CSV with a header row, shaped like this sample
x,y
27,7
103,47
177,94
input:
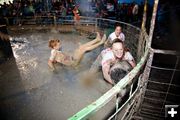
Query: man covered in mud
x,y
110,56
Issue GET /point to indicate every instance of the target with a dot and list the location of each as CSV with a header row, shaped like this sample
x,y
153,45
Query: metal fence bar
x,y
177,61
117,105
160,68
143,82
163,83
133,95
153,114
155,91
166,52
157,100
153,21
150,106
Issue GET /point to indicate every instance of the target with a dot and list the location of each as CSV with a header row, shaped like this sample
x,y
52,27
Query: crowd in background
x,y
128,12
32,8
101,8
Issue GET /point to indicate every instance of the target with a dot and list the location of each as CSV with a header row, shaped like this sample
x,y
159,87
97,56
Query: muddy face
x,y
118,49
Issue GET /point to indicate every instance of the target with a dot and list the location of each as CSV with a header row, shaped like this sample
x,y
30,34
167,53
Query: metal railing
x,y
159,91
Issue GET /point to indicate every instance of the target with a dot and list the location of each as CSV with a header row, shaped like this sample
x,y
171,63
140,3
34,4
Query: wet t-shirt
x,y
128,57
113,36
107,56
60,57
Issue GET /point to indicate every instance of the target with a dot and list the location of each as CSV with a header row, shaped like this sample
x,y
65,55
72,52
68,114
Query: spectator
x,y
76,13
110,9
135,11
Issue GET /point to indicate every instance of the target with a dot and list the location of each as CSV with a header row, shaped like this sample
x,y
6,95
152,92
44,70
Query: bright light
x,y
7,1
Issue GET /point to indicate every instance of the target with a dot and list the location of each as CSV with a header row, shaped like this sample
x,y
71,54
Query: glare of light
x,y
6,1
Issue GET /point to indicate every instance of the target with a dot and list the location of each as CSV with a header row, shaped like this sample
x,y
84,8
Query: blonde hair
x,y
53,42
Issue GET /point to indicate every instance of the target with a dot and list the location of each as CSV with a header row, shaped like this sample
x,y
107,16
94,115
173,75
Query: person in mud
x,y
109,56
116,34
60,57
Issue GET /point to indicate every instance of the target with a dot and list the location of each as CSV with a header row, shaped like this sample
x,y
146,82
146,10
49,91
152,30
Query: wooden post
x,y
141,40
153,22
5,46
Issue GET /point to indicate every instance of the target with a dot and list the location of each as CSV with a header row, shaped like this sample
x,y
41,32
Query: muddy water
x,y
29,90
32,55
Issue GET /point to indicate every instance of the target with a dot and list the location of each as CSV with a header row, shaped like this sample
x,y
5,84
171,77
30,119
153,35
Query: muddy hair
x,y
117,74
53,42
120,70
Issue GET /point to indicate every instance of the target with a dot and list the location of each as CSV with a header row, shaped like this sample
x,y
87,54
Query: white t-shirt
x,y
135,10
128,56
107,55
113,36
110,7
53,54
60,57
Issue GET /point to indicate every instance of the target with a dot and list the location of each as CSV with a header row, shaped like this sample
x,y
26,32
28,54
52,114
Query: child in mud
x,y
76,15
60,57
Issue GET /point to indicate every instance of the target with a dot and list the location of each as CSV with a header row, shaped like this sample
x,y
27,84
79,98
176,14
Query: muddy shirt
x,y
60,57
107,57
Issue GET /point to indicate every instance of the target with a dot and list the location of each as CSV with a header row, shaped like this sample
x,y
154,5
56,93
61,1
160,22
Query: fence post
x,y
153,22
140,41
